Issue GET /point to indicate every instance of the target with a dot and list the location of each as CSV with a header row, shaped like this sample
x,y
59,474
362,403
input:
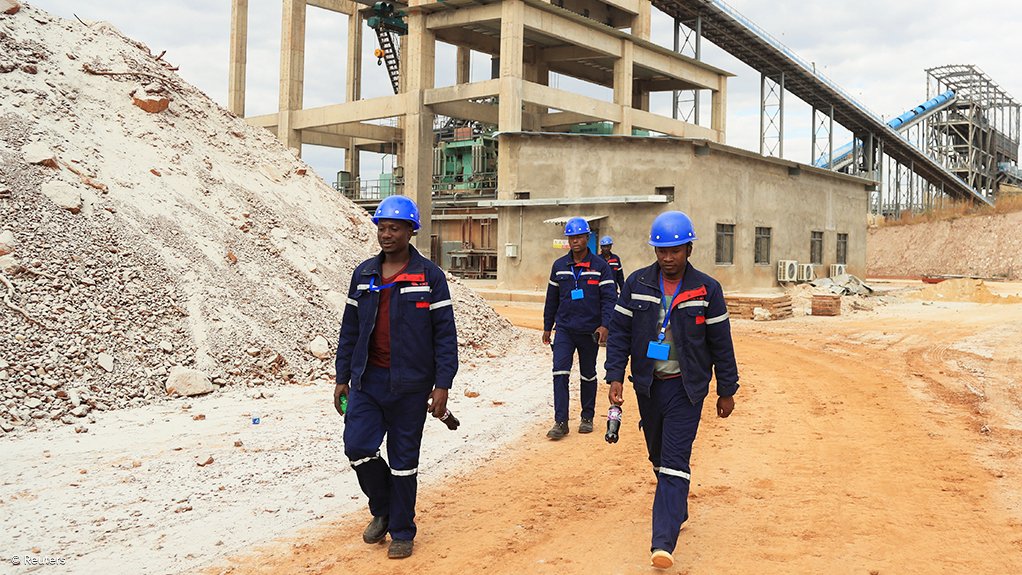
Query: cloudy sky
x,y
876,50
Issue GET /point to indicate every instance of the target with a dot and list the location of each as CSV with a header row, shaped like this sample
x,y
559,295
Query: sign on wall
x,y
560,244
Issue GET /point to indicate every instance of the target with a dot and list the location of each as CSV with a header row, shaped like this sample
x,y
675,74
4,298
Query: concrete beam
x,y
675,67
485,113
671,127
567,102
264,121
372,132
583,72
583,201
239,58
478,42
665,85
360,111
571,31
462,92
630,6
567,53
328,140
557,119
343,6
464,16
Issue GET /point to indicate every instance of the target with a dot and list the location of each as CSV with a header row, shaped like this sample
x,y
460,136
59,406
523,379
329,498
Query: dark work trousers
x,y
565,344
669,422
375,411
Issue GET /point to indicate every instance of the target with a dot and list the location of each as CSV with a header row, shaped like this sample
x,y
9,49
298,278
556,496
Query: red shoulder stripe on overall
x,y
410,278
689,295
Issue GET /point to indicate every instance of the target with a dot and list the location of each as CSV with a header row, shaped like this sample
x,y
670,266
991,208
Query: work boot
x,y
586,426
661,559
376,531
558,431
400,549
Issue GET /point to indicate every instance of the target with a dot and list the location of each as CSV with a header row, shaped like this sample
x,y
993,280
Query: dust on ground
x,y
964,290
882,441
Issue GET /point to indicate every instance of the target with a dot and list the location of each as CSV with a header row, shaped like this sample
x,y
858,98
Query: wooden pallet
x,y
826,305
742,307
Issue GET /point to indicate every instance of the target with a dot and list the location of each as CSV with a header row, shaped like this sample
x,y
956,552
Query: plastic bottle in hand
x,y
613,423
449,420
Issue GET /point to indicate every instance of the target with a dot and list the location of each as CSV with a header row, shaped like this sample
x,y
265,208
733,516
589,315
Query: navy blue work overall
x,y
670,409
575,320
376,410
392,402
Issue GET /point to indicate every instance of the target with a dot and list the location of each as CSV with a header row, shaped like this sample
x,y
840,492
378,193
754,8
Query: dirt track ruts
x,y
852,450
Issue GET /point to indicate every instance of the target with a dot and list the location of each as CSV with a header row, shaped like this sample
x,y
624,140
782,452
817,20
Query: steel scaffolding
x,y
978,137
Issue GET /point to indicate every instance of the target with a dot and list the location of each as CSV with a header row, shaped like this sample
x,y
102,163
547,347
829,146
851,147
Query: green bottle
x,y
344,404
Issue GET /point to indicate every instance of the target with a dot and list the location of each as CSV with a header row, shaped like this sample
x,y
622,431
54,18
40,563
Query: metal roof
x,y
563,220
739,36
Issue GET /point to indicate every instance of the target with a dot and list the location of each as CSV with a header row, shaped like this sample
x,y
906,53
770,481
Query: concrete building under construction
x,y
561,153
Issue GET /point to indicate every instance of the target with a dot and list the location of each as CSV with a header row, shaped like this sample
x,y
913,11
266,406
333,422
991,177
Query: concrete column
x,y
417,76
292,71
718,110
623,88
239,58
537,72
512,68
353,87
642,24
464,65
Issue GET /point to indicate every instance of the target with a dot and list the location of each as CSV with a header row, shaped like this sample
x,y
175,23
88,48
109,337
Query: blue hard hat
x,y
397,208
671,229
576,226
606,241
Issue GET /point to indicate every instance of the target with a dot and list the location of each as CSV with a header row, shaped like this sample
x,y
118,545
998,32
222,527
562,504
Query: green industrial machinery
x,y
385,16
601,129
468,162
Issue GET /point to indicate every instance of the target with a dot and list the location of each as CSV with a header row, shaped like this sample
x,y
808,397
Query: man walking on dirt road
x,y
579,302
396,360
613,260
672,322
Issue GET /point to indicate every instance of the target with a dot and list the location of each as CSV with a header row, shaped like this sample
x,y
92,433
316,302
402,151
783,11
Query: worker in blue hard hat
x,y
579,305
671,322
396,360
613,260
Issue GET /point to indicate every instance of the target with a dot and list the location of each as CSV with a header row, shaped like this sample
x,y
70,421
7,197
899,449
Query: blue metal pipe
x,y
843,152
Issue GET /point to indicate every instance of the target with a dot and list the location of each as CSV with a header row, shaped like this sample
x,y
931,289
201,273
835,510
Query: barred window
x,y
725,244
842,248
763,246
816,248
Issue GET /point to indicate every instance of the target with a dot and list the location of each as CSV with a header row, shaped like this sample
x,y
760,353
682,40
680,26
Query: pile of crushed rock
x,y
152,241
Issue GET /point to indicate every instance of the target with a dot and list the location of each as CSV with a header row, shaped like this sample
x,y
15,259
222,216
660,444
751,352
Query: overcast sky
x,y
876,50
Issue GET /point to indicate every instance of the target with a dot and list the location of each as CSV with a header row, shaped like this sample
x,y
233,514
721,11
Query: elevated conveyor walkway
x,y
739,36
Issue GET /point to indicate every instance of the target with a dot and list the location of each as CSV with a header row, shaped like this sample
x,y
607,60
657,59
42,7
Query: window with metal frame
x,y
842,248
816,248
762,249
725,244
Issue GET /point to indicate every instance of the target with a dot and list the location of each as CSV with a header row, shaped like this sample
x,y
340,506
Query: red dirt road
x,y
884,442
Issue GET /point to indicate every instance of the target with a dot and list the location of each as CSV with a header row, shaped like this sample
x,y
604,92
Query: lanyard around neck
x,y
667,309
576,271
376,288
